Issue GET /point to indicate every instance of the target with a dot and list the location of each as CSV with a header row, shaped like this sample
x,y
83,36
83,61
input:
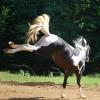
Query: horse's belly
x,y
62,61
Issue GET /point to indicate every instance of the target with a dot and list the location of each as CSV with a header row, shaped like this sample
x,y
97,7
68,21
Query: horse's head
x,y
82,44
86,49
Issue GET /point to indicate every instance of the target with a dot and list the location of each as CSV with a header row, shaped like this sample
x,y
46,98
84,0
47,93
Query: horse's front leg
x,y
64,84
78,75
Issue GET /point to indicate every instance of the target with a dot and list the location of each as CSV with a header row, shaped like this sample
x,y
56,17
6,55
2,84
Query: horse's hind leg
x,y
64,84
78,75
13,45
23,47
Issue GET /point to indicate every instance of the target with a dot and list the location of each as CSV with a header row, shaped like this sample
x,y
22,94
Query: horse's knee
x,y
78,76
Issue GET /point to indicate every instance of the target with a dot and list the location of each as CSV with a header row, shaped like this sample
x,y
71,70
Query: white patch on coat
x,y
47,40
76,59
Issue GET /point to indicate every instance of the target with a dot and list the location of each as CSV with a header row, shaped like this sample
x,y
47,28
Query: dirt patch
x,y
43,91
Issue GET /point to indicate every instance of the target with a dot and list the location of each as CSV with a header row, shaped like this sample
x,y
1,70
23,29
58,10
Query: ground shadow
x,y
38,98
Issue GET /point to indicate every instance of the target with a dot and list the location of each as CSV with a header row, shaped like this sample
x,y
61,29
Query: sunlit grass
x,y
90,80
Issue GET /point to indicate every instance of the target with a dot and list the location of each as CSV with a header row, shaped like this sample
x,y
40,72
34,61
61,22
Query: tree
x,y
69,19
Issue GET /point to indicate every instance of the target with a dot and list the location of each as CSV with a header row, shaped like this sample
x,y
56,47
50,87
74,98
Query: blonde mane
x,y
40,23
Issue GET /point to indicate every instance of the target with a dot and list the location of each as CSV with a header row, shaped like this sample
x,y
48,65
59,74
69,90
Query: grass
x,y
90,80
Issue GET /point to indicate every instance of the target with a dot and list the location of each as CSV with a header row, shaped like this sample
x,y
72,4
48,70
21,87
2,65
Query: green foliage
x,y
4,15
90,80
69,18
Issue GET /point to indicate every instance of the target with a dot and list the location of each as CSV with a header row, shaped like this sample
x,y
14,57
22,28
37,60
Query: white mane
x,y
78,42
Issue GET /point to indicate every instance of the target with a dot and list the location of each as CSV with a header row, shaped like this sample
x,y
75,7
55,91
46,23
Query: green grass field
x,y
90,80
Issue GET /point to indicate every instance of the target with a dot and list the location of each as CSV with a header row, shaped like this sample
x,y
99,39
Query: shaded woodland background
x,y
69,19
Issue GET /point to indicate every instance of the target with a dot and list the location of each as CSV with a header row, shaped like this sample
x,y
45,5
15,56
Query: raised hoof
x,y
11,43
63,96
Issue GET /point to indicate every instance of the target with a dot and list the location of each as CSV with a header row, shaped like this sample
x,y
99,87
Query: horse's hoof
x,y
10,43
63,96
83,97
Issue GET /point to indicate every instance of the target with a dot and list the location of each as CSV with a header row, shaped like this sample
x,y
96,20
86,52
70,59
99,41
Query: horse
x,y
68,58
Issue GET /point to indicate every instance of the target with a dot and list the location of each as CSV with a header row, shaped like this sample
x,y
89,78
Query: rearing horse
x,y
70,59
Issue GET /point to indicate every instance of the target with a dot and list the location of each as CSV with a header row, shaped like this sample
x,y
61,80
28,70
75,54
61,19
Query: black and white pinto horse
x,y
70,59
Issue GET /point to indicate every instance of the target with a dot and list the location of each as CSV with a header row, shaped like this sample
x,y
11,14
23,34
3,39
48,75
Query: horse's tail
x,y
31,36
34,28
